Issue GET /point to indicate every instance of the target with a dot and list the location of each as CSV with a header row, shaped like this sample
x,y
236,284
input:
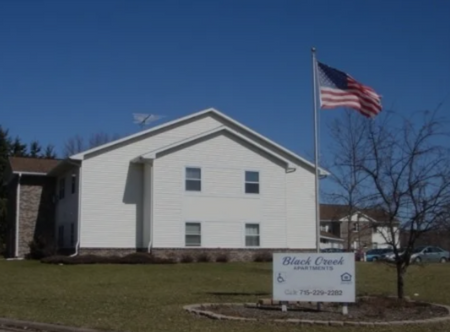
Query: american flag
x,y
338,89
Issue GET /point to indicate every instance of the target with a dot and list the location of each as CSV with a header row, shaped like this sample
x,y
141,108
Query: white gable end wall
x,y
112,202
382,234
300,208
222,207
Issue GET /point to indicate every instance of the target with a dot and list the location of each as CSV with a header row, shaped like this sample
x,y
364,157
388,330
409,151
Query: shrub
x,y
222,258
262,257
135,258
40,248
203,258
56,260
92,259
144,258
186,259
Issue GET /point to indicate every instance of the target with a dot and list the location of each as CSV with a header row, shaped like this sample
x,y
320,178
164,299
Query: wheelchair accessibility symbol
x,y
281,278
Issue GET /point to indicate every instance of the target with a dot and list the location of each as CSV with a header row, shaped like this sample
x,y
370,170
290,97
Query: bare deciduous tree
x,y
346,148
73,145
405,171
77,144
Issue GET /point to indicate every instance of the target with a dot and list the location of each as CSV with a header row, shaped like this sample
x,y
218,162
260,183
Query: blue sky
x,y
79,67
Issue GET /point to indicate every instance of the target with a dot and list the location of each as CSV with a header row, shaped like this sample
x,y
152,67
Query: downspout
x,y
150,243
16,250
77,245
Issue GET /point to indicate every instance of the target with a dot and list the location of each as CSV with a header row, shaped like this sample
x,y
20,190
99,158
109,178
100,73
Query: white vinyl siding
x,y
144,231
223,203
66,211
61,240
112,202
114,198
72,234
300,205
62,188
73,183
382,234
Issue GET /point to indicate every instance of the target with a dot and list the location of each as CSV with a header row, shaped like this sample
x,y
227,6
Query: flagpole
x,y
316,149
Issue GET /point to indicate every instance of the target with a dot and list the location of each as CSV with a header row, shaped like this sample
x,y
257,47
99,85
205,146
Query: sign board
x,y
314,277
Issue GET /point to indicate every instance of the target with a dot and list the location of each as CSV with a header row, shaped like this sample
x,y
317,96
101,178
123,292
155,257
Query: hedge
x,y
135,258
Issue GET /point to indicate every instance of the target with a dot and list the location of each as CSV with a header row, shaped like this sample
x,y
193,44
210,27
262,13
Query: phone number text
x,y
314,292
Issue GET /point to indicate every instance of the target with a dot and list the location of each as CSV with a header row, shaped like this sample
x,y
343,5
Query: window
x,y
72,234
193,179
193,234
61,236
62,188
74,183
355,227
251,182
252,235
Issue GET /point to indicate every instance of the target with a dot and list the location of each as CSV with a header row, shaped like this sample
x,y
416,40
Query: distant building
x,y
367,229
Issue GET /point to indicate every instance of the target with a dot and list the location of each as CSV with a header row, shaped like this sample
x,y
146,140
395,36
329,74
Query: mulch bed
x,y
370,309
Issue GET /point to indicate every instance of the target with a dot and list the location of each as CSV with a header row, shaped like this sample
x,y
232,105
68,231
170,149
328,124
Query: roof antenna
x,y
145,119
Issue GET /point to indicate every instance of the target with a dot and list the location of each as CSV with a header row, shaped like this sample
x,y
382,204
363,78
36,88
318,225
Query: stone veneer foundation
x,y
36,214
234,255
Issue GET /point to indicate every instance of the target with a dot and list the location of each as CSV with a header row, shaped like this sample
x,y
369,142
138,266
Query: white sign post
x,y
314,277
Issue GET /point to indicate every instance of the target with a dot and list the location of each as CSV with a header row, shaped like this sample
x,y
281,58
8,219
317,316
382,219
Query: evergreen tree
x,y
49,152
5,148
18,149
35,149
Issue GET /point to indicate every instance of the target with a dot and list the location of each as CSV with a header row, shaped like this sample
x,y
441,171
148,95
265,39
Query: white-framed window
x,y
355,227
193,237
61,236
193,178
72,234
62,188
252,236
251,182
74,183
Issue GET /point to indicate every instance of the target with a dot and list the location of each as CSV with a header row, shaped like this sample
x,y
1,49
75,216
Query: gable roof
x,y
212,111
335,212
32,166
222,129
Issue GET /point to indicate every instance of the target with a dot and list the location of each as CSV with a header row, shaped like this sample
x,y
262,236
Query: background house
x,y
367,228
200,183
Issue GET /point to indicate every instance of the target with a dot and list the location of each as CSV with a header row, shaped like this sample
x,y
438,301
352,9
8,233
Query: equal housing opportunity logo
x,y
346,278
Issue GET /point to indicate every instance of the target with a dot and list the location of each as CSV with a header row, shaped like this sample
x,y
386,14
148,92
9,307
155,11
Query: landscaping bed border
x,y
198,310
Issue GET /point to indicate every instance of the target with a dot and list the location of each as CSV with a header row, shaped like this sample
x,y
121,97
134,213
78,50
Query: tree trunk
x,y
400,282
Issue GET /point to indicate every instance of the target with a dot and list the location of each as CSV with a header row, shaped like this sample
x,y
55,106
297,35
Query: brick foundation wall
x,y
234,255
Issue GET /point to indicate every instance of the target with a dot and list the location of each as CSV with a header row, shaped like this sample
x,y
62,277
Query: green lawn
x,y
150,298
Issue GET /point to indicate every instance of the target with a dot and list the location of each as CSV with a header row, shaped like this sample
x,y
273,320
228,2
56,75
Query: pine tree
x,y
5,148
35,149
18,149
49,152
